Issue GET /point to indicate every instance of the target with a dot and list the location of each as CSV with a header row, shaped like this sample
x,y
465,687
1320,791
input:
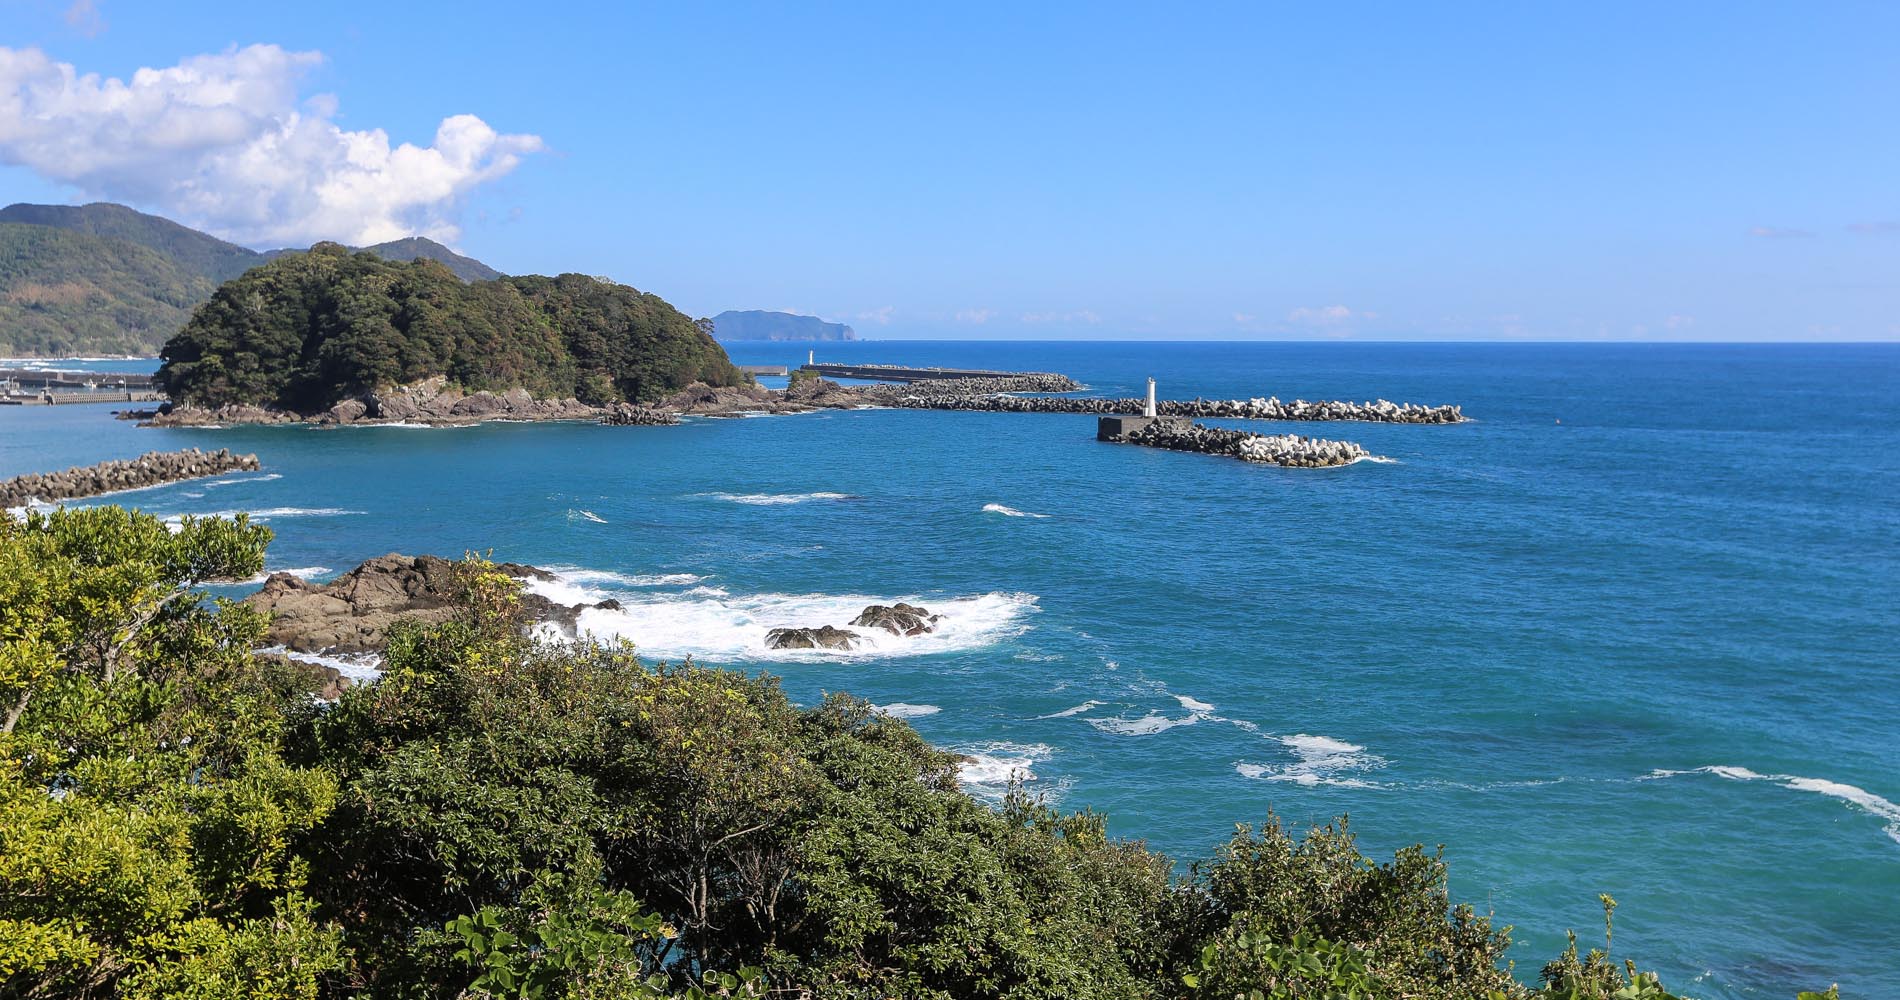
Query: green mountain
x,y
308,330
65,293
195,252
106,279
758,324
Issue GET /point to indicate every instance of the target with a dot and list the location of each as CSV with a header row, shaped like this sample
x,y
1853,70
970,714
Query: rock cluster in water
x,y
1289,450
898,619
151,469
352,613
822,637
931,397
1019,382
629,415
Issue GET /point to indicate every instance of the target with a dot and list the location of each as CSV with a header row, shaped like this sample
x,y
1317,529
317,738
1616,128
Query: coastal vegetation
x,y
309,330
506,816
106,279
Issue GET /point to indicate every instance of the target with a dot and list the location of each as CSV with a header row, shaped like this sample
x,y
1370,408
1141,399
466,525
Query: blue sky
x,y
1705,171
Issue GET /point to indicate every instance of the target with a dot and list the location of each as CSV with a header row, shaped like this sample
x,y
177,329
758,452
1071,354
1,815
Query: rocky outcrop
x,y
150,469
431,401
898,619
629,415
352,613
823,637
1289,450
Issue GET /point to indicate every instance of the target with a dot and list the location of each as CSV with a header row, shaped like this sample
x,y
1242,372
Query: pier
x,y
757,370
80,396
900,373
34,378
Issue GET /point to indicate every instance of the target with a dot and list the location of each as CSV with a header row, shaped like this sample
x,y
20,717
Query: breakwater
x,y
976,386
150,469
905,373
1290,450
629,415
1270,408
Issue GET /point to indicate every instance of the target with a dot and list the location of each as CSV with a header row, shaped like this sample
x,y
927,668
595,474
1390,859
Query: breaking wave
x,y
997,508
988,768
1853,795
1318,760
905,710
775,499
709,623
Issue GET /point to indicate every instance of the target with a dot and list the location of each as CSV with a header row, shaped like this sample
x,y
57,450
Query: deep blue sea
x,y
1634,629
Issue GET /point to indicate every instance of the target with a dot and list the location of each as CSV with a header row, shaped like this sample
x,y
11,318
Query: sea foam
x,y
997,508
711,624
775,499
1318,760
905,710
988,768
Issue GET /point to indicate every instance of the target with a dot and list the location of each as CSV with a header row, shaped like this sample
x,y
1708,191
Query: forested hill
x,y
106,279
759,324
308,330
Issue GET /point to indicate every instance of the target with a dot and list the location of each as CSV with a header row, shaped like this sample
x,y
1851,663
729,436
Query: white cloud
x,y
1678,322
1244,319
223,142
976,316
881,315
84,17
1874,228
1326,315
1078,316
1778,233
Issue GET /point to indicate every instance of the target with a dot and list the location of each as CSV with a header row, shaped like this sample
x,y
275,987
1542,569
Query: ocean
x,y
1633,629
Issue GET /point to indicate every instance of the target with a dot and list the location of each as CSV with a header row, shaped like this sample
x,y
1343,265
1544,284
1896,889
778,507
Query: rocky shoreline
x,y
150,469
1289,450
432,401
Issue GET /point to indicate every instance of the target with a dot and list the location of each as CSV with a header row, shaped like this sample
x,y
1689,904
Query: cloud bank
x,y
226,142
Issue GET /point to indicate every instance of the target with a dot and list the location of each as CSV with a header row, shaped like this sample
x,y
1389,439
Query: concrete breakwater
x,y
150,469
1290,450
978,385
1270,408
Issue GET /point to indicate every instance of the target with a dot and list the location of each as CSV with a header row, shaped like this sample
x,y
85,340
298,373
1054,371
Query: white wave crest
x,y
176,521
234,480
585,515
709,623
1193,704
1077,710
1867,801
775,499
988,768
1319,760
300,572
905,710
997,508
357,666
1147,725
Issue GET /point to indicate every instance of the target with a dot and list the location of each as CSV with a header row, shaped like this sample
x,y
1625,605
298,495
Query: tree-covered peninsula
x,y
308,330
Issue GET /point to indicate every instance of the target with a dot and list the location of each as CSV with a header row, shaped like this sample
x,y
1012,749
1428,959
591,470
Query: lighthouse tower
x,y
1149,410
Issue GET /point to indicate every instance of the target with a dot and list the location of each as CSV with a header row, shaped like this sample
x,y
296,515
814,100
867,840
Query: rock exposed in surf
x,y
898,619
353,613
823,637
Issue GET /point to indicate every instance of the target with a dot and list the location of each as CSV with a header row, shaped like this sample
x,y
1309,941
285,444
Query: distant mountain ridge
x,y
107,279
760,324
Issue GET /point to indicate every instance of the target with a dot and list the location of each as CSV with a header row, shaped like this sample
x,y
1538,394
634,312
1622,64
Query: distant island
x,y
107,279
760,324
306,331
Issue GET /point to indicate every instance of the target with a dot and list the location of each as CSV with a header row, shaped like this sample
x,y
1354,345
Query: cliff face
x,y
758,324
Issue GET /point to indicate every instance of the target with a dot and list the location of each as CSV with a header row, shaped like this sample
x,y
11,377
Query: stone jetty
x,y
937,396
1290,450
150,469
1018,382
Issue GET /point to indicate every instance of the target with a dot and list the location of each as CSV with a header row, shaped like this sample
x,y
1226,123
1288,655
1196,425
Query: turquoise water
x,y
1649,650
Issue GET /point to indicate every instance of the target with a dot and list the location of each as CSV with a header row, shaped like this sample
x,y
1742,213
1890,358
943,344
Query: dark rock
x,y
823,637
352,613
898,619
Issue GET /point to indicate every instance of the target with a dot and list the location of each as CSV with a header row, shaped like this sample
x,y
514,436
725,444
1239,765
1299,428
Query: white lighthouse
x,y
1149,410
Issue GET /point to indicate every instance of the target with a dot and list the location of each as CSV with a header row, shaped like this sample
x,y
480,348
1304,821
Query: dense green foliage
x,y
505,817
105,279
310,329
